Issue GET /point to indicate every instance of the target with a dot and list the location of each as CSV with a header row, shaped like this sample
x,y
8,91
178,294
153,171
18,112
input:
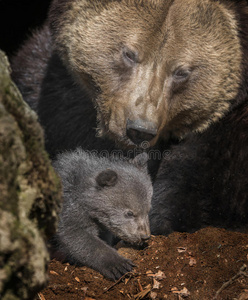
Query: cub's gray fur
x,y
103,198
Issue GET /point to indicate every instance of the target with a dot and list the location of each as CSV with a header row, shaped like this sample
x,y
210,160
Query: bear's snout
x,y
139,131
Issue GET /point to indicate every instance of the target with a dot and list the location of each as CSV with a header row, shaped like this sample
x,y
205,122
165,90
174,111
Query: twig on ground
x,y
119,280
241,272
140,286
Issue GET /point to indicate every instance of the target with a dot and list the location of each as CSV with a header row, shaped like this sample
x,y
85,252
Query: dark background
x,y
18,19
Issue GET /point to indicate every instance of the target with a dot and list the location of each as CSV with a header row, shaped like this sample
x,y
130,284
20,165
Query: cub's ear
x,y
140,161
107,178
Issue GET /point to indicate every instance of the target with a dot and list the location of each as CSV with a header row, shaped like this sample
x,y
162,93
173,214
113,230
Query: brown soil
x,y
180,266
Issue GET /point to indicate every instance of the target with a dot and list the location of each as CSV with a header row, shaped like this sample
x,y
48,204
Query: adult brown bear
x,y
174,71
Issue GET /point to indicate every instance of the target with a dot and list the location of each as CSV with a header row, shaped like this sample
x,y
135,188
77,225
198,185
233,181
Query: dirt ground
x,y
208,264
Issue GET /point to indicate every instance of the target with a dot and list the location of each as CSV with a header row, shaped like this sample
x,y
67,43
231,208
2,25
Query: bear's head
x,y
155,69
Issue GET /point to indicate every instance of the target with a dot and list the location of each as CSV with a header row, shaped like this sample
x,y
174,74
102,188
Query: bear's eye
x,y
129,214
181,75
130,57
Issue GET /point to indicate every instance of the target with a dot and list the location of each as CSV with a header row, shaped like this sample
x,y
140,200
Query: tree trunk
x,y
30,195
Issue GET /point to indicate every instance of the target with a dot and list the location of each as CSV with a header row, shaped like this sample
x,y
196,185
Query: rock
x,y
30,195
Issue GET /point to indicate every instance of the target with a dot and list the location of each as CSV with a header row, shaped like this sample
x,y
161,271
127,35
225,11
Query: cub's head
x,y
113,193
121,199
154,70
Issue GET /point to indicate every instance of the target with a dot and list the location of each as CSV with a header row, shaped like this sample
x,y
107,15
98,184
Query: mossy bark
x,y
30,195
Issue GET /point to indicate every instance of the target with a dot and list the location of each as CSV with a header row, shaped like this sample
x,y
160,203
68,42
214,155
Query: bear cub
x,y
103,199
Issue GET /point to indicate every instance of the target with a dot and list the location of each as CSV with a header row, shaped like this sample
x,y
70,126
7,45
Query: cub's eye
x,y
129,214
130,57
181,75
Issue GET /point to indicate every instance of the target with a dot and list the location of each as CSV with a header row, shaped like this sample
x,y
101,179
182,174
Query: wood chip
x,y
181,249
243,296
54,273
159,275
153,295
156,284
77,279
140,286
192,262
142,294
149,273
41,297
183,293
84,289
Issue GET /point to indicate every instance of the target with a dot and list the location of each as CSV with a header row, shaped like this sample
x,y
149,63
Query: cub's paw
x,y
115,266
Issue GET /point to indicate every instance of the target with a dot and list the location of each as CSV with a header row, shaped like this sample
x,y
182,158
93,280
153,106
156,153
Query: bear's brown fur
x,y
184,68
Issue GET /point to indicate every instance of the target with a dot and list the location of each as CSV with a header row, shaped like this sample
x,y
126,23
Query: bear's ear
x,y
107,178
140,161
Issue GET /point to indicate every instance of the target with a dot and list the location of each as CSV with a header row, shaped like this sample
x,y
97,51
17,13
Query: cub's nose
x,y
145,237
139,131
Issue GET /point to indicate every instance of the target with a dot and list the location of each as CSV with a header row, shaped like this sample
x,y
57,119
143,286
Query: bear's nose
x,y
139,131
